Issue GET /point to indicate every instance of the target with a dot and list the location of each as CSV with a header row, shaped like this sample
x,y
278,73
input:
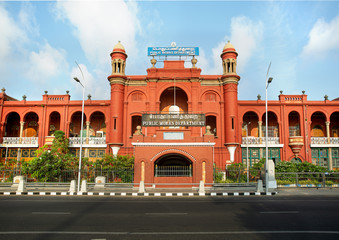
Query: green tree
x,y
49,163
119,168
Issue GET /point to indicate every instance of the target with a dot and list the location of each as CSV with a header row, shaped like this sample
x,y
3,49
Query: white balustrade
x,y
271,140
91,140
334,140
17,140
319,140
256,140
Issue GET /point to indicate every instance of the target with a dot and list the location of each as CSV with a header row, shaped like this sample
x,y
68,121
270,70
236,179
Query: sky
x,y
43,42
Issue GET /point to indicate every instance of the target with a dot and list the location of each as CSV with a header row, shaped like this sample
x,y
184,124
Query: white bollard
x,y
142,187
16,180
22,186
83,186
72,187
260,187
100,182
202,187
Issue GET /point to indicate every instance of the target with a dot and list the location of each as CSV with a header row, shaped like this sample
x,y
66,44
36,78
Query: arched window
x,y
212,122
136,121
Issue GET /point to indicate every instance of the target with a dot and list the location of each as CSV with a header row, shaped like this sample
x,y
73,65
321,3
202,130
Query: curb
x,y
138,194
308,185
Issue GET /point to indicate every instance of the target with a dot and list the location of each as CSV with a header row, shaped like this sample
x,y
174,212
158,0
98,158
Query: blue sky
x,y
40,42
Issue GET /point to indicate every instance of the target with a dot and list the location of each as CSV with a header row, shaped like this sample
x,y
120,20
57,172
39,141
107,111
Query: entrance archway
x,y
173,165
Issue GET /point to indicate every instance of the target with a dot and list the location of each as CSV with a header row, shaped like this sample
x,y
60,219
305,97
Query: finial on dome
x,y
119,46
228,45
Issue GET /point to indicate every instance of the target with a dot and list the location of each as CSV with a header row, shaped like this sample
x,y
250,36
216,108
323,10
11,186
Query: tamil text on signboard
x,y
173,51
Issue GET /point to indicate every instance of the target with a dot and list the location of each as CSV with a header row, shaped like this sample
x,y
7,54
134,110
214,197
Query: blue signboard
x,y
173,51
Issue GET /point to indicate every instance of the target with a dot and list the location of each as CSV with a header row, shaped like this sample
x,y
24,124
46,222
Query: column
x,y
330,165
87,131
260,131
143,171
204,171
330,161
328,132
21,130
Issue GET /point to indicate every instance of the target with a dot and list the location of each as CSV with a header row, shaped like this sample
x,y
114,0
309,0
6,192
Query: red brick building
x,y
298,129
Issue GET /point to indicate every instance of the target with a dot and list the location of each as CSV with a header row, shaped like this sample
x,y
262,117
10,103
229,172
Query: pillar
x,y
21,131
204,172
328,132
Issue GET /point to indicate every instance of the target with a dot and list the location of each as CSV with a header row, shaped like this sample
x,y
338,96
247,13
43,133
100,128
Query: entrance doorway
x,y
173,165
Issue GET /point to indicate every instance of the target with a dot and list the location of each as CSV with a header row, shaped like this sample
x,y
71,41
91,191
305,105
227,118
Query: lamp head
x,y
269,80
76,79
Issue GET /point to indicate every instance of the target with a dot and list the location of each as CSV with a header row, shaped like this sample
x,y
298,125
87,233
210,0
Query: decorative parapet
x,y
20,142
261,142
293,98
319,140
324,142
92,142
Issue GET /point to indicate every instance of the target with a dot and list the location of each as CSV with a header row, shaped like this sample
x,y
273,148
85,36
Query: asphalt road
x,y
242,217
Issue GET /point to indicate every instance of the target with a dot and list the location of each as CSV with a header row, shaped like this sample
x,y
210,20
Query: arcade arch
x,y
31,126
250,119
318,125
173,165
54,123
273,126
294,124
12,125
75,125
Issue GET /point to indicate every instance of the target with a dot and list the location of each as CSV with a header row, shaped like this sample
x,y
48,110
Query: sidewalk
x,y
307,191
10,189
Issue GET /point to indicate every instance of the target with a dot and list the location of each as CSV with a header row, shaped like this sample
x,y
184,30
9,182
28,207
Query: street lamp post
x,y
268,81
82,124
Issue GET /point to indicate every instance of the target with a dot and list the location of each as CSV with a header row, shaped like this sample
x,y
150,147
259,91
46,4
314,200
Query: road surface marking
x,y
51,213
280,212
157,214
166,233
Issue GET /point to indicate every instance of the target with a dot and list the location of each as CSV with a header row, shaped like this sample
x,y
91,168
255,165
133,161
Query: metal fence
x,y
173,171
236,175
299,179
120,175
292,179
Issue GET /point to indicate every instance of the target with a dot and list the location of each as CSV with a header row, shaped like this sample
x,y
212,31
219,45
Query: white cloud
x,y
97,91
323,38
11,35
46,63
246,36
100,25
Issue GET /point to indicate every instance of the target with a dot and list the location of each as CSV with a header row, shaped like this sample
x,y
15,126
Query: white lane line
x,y
157,214
280,212
51,213
166,233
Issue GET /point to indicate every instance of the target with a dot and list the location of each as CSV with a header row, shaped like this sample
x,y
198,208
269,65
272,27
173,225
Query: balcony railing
x,y
334,140
256,140
18,140
319,140
324,140
91,140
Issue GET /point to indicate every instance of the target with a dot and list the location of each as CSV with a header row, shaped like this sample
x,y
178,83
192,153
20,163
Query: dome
x,y
119,46
174,109
228,45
